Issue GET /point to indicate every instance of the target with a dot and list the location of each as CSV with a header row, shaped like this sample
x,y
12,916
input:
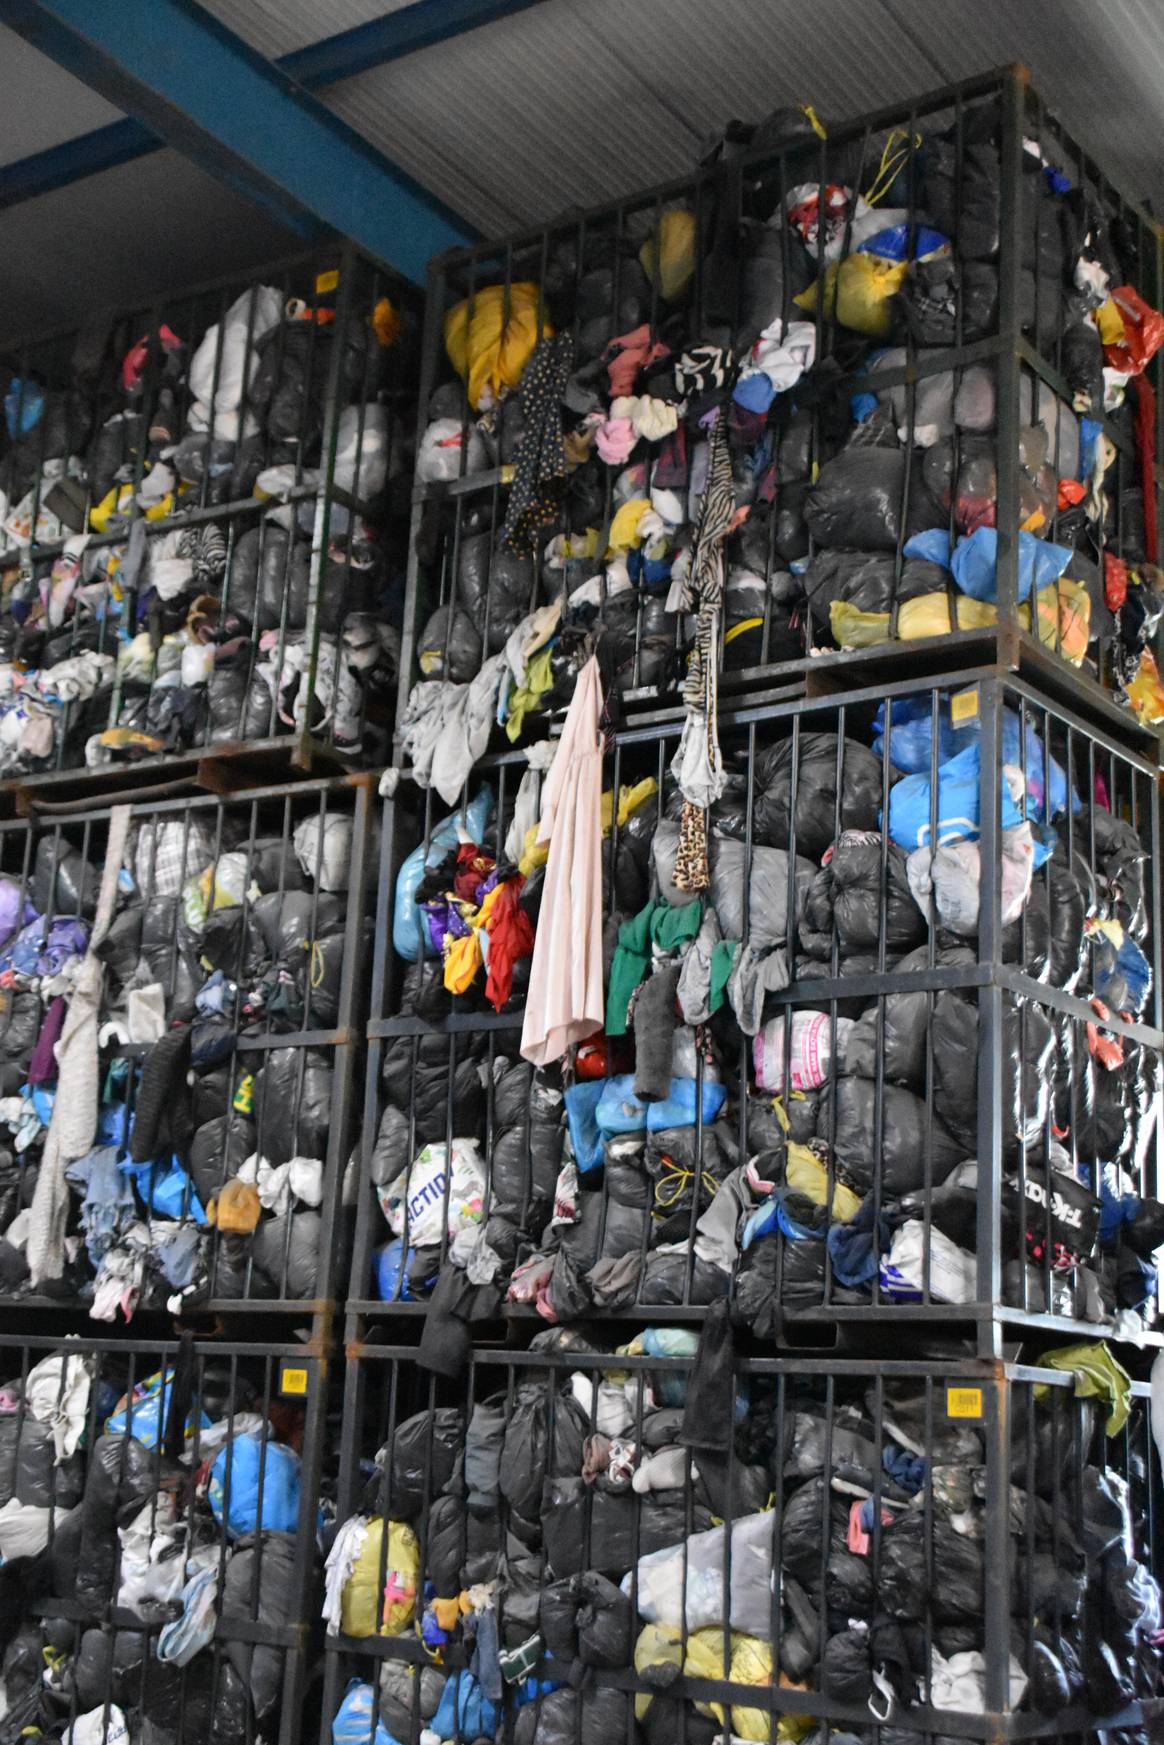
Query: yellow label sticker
x,y
325,282
963,1402
964,706
293,1381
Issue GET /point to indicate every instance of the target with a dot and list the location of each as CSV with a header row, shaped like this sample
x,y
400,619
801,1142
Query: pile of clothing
x,y
180,1508
719,1136
576,1521
686,465
149,1156
126,630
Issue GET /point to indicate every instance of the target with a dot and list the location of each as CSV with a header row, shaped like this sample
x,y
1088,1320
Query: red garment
x,y
625,356
511,937
473,868
1146,455
1071,491
134,362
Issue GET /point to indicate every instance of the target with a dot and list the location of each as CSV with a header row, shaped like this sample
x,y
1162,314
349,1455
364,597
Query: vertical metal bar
x,y
1010,256
990,1033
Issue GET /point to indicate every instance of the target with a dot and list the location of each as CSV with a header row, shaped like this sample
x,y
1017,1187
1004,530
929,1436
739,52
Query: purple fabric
x,y
14,913
43,1065
43,947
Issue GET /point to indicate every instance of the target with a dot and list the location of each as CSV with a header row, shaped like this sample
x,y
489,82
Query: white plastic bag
x,y
661,1586
811,1057
417,1199
217,376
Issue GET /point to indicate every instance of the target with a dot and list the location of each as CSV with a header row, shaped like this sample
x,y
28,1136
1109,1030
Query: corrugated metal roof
x,y
276,27
43,105
570,103
579,101
144,228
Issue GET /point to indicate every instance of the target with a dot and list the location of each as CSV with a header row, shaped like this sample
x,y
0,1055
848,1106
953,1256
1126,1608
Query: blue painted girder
x,y
184,77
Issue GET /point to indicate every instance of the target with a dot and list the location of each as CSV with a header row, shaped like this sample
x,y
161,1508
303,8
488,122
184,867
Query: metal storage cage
x,y
203,528
161,1500
213,1066
971,1137
916,359
543,1541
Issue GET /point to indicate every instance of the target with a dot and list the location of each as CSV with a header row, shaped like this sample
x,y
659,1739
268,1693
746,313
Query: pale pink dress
x,y
564,1004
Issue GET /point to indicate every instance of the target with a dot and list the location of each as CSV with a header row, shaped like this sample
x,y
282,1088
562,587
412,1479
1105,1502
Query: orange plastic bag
x,y
1142,331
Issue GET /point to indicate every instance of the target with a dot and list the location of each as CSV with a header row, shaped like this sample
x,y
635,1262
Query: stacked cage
x,y
202,529
839,458
182,988
158,1521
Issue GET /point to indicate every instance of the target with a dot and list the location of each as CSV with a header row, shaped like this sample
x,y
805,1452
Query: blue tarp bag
x,y
677,1108
582,1102
975,564
958,804
144,1417
409,933
464,1711
892,243
391,1263
353,1720
911,736
248,1459
165,1189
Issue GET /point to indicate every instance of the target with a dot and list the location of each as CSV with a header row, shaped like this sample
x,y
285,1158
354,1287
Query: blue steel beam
x,y
324,63
185,78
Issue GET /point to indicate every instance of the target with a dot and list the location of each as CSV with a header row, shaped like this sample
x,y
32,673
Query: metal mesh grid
x,y
955,390
933,1097
159,1523
236,456
912,1512
224,1049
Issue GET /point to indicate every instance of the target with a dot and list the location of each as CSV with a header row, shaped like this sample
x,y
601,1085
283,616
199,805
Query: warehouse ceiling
x,y
566,103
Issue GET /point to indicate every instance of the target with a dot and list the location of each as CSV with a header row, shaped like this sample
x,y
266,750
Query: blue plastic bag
x,y
391,1265
912,734
892,244
582,1102
353,1719
677,1108
409,934
1090,431
248,1459
933,545
958,813
144,1417
1123,977
618,1110
23,405
975,564
165,1189
464,1711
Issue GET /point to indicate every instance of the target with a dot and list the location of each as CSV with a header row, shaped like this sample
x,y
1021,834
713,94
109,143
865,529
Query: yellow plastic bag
x,y
804,1173
360,1600
656,1645
752,1664
1063,618
929,615
1146,693
668,255
857,291
629,801
853,628
490,351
